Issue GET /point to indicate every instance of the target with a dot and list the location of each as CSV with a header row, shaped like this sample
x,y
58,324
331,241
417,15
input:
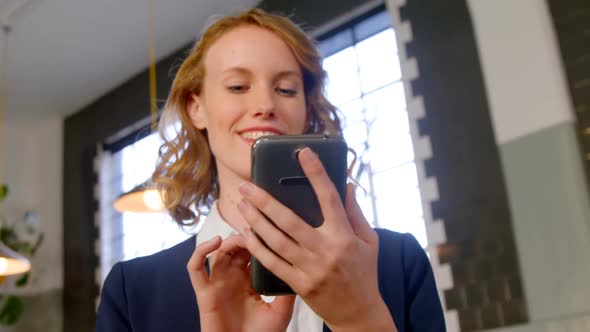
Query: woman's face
x,y
253,86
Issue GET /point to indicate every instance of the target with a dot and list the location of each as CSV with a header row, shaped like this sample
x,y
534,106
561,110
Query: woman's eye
x,y
287,92
237,88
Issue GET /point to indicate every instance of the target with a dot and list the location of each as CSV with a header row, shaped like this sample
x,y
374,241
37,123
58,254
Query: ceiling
x,y
64,54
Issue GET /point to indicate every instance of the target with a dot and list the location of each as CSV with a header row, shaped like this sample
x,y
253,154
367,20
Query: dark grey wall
x,y
572,25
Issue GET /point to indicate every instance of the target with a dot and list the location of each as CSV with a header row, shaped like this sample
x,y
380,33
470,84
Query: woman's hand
x,y
225,296
332,267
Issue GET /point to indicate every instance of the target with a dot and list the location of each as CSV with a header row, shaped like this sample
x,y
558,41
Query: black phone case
x,y
276,169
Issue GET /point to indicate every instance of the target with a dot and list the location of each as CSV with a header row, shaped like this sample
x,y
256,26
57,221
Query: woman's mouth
x,y
254,134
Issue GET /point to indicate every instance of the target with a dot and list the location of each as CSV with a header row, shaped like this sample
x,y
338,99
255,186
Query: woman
x,y
250,75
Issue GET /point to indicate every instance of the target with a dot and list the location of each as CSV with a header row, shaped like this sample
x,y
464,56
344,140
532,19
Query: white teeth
x,y
252,135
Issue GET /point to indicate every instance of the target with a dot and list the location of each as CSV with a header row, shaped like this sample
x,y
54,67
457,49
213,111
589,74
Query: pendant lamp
x,y
145,197
11,262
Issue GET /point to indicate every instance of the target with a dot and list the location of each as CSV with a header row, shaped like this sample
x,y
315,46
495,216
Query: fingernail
x,y
212,239
307,155
246,189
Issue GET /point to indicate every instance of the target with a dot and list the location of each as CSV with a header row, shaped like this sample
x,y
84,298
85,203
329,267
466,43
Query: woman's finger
x,y
196,264
233,250
273,237
358,222
328,196
269,259
282,217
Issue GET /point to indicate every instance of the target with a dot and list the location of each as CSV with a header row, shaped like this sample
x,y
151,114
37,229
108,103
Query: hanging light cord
x,y
3,60
153,100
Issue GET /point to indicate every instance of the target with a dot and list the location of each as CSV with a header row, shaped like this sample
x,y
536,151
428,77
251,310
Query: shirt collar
x,y
213,226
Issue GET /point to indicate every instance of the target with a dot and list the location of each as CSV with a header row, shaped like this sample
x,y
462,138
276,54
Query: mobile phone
x,y
276,169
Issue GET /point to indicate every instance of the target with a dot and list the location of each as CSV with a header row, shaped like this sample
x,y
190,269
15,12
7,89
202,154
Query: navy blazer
x,y
154,293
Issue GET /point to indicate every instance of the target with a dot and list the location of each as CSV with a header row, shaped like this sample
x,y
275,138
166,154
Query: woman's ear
x,y
196,112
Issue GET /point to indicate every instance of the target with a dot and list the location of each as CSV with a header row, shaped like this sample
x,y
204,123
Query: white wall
x,y
522,66
32,166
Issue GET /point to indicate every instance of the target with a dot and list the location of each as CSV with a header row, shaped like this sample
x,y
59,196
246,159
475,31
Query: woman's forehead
x,y
250,48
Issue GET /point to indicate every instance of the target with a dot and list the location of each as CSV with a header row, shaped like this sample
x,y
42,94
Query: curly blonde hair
x,y
186,173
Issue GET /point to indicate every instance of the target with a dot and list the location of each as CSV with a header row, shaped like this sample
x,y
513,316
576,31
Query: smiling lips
x,y
250,135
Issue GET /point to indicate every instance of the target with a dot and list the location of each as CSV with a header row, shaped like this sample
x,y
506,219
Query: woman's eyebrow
x,y
279,75
238,70
287,73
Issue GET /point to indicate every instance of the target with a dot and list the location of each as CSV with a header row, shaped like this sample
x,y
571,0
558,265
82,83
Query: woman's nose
x,y
264,104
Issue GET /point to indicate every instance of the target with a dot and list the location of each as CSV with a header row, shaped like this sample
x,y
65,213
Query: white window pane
x,y
395,196
364,198
354,127
353,112
389,106
394,203
403,176
145,233
139,161
356,138
343,81
387,152
378,59
389,138
377,127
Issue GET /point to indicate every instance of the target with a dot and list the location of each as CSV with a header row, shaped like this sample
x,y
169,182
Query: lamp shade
x,y
144,198
11,262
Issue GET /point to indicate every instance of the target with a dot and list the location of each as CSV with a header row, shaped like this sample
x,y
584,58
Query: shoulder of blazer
x,y
401,248
171,259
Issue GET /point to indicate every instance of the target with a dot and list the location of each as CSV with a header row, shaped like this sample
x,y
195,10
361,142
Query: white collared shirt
x,y
303,318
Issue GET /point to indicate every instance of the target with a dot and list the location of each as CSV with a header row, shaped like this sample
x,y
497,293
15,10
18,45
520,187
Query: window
x,y
128,235
145,233
365,84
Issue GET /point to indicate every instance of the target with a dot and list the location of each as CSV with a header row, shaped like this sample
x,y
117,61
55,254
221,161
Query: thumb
x,y
356,218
